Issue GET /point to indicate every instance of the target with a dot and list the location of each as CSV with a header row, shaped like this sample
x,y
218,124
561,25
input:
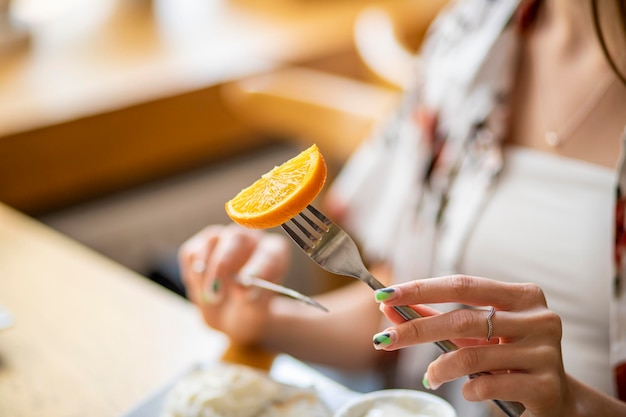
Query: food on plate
x,y
281,193
296,402
229,390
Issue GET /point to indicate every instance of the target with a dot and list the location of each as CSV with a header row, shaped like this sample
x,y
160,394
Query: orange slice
x,y
280,194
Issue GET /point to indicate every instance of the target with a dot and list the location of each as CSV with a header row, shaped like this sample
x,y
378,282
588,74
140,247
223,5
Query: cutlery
x,y
334,250
252,281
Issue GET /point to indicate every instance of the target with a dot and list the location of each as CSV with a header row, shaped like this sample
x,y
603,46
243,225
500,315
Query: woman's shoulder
x,y
461,38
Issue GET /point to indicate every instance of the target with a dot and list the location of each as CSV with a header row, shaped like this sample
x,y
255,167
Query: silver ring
x,y
198,266
491,313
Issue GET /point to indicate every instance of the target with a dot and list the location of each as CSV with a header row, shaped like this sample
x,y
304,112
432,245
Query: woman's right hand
x,y
209,262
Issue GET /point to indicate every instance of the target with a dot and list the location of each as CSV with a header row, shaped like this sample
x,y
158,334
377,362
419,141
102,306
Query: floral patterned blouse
x,y
452,124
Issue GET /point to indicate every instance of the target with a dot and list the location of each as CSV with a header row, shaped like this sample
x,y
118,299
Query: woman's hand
x,y
210,261
523,353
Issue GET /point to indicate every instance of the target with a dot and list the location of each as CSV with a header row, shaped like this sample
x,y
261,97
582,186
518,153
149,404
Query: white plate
x,y
285,369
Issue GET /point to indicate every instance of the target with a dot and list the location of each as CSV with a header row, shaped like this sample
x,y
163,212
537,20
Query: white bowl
x,y
396,403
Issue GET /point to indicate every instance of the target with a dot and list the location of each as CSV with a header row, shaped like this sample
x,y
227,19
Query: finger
x,y
189,249
395,317
270,258
460,326
541,394
538,325
268,261
502,386
464,289
394,342
231,252
192,254
495,359
199,266
520,388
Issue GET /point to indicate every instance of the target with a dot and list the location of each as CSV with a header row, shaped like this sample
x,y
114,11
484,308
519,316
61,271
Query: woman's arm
x,y
588,402
340,338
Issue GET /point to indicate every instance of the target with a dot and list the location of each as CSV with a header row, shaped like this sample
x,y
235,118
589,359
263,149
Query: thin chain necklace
x,y
555,136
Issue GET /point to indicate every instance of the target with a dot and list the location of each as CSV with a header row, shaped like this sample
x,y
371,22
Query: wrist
x,y
585,401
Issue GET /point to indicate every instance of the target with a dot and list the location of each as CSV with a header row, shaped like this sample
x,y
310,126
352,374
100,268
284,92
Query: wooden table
x,y
90,338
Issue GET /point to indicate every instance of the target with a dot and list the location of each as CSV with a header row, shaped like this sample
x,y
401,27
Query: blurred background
x,y
127,124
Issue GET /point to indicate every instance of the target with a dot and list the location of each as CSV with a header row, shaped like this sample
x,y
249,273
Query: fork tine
x,y
319,215
306,245
305,230
313,224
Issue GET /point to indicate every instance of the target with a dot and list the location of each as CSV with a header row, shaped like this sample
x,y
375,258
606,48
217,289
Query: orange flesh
x,y
281,193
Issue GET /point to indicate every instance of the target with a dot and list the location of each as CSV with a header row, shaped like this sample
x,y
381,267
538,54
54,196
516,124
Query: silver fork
x,y
334,250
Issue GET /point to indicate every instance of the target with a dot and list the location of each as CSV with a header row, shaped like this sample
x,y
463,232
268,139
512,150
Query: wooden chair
x,y
337,111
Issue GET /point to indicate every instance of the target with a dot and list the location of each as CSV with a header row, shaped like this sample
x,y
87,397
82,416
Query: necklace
x,y
555,136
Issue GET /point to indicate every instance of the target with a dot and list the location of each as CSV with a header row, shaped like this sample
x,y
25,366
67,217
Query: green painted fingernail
x,y
216,285
383,339
425,382
212,295
384,294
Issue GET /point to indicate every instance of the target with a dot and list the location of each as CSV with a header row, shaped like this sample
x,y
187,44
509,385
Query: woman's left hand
x,y
523,353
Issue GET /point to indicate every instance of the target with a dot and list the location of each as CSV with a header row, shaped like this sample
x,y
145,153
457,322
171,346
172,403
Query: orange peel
x,y
281,193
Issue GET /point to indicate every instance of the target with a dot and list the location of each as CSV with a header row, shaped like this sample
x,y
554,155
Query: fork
x,y
333,249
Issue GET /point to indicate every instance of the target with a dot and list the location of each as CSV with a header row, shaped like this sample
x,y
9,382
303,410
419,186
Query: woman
x,y
500,163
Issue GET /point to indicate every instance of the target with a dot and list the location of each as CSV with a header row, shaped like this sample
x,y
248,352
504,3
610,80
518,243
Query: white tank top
x,y
549,221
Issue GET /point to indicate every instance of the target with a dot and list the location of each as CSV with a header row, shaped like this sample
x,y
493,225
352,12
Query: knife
x,y
253,281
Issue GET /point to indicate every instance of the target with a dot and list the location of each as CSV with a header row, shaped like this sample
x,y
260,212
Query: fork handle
x,y
510,408
409,314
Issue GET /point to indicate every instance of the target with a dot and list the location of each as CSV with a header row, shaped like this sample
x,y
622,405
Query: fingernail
x,y
216,286
249,272
427,384
212,295
384,339
384,294
198,266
